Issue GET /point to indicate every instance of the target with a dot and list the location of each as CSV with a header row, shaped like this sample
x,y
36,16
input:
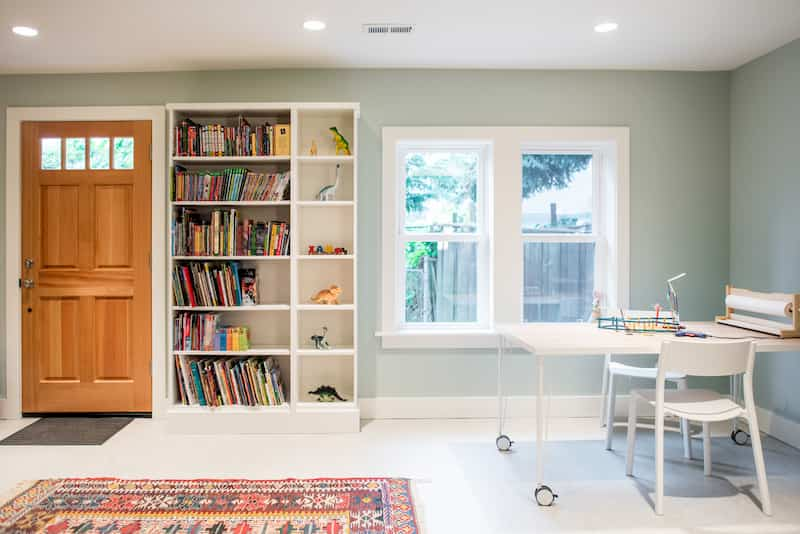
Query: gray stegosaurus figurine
x,y
327,394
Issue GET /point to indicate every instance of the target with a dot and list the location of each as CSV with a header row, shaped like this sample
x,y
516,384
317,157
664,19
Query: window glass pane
x,y
442,191
98,153
76,153
123,152
441,282
556,193
51,153
558,282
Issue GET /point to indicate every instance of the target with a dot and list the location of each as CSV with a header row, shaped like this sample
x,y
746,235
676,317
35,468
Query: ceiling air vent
x,y
387,29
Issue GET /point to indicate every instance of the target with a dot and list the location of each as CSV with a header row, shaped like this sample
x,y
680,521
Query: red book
x,y
189,285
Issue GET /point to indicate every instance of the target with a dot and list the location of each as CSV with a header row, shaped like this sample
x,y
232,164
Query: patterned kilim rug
x,y
292,506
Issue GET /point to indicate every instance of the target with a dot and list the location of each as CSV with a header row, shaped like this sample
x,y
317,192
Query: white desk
x,y
545,340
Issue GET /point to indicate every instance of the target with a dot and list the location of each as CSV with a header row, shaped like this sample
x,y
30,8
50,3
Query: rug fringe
x,y
18,489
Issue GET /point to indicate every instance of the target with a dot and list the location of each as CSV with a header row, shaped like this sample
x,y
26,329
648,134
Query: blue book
x,y
198,385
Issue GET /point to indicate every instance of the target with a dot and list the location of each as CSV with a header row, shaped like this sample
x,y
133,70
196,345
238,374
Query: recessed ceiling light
x,y
25,31
314,25
605,27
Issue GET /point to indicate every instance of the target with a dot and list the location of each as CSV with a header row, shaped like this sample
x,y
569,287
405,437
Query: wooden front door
x,y
86,316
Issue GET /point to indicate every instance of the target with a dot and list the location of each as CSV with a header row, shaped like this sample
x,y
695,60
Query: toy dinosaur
x,y
321,341
327,296
328,192
327,394
342,146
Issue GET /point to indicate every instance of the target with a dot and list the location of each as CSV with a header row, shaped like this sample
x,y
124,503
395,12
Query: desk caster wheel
x,y
544,496
740,437
503,443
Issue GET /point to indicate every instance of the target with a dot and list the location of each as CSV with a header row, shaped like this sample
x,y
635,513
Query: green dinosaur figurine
x,y
327,394
342,146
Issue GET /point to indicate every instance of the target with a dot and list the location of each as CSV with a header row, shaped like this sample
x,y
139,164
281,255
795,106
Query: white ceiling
x,y
155,35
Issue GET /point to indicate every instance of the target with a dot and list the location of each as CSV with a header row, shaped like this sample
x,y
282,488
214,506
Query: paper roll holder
x,y
740,318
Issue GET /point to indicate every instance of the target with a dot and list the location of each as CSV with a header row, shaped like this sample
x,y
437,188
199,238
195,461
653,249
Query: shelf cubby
x,y
314,125
339,323
313,174
312,277
326,225
336,370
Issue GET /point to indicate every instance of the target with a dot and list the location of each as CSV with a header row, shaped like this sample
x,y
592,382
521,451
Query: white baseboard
x,y
779,427
482,407
775,425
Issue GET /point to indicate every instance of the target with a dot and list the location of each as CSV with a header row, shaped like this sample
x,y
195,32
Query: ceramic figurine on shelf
x,y
327,296
328,249
340,250
328,192
313,150
319,250
321,341
342,146
311,250
327,394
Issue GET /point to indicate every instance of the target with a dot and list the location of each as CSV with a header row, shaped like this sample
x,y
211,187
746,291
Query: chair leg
x,y
761,470
686,430
612,400
631,435
707,449
659,463
604,390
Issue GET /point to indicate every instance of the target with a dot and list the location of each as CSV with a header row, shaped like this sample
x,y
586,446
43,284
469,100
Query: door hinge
x,y
151,151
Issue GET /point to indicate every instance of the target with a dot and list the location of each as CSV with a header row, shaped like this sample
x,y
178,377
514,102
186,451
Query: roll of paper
x,y
763,306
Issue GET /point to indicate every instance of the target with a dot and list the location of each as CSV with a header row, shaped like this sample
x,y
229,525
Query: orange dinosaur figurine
x,y
327,296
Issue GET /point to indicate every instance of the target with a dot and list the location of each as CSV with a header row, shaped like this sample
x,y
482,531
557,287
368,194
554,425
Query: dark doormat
x,y
68,431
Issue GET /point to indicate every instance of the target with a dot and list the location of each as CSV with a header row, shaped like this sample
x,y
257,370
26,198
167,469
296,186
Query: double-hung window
x,y
442,245
500,225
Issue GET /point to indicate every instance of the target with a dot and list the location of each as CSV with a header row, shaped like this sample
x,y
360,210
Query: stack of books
x,y
201,332
234,184
224,234
192,139
229,381
214,284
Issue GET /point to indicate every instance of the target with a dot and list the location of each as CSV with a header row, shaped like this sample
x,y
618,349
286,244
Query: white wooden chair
x,y
615,369
700,358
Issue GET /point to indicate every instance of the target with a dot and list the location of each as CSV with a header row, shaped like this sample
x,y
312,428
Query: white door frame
x,y
11,406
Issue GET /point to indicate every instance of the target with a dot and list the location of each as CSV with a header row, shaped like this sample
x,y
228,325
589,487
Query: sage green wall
x,y
765,201
679,176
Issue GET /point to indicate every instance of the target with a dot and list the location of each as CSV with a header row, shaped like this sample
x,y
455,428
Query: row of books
x,y
192,139
233,184
229,381
202,331
214,284
224,234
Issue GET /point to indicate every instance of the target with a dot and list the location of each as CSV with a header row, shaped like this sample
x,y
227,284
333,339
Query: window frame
x,y
504,189
482,237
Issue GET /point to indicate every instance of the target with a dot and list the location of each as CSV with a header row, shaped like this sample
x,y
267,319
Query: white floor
x,y
465,485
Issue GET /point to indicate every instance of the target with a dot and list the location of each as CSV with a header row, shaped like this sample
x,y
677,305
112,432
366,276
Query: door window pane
x,y
123,152
76,153
99,153
558,281
441,191
51,153
441,282
557,193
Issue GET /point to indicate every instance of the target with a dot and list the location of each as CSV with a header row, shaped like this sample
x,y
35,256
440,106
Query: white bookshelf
x,y
283,321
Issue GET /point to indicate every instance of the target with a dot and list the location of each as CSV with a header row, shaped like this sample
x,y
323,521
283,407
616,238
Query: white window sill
x,y
439,339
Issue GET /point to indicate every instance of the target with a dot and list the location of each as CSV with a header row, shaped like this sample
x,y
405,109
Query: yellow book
x,y
283,139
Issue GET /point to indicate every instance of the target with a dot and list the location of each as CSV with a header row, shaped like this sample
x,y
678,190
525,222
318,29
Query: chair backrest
x,y
706,357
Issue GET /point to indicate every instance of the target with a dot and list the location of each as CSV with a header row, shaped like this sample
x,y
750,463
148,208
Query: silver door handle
x,y
28,283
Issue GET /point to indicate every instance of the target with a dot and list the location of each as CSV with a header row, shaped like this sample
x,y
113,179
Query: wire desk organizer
x,y
651,324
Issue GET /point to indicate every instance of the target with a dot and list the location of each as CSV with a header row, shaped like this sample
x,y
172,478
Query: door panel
x,y
86,231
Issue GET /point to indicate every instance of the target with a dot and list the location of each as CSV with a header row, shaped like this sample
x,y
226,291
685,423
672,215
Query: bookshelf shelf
x,y
230,159
325,204
326,307
282,324
231,258
232,203
256,307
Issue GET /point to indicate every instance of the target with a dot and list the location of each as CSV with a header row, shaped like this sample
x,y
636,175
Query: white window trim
x,y
613,144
